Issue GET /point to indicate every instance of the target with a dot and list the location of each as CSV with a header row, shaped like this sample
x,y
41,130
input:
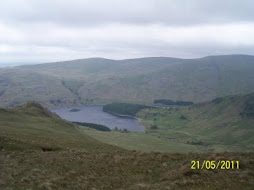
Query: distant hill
x,y
133,80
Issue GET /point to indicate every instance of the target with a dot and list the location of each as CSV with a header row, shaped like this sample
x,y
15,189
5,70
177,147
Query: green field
x,y
141,142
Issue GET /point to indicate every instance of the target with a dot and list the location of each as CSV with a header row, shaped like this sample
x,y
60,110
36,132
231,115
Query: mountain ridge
x,y
139,58
99,80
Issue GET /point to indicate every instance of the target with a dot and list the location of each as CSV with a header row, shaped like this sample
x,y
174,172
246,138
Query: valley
x,y
94,114
215,126
41,151
126,95
186,109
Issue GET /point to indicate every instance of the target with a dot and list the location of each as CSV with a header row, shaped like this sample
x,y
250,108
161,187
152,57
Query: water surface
x,y
94,114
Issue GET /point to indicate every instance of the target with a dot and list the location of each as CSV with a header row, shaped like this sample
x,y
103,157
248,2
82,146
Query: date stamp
x,y
213,165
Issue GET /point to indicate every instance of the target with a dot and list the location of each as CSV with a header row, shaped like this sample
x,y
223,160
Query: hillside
x,y
36,127
142,80
223,124
218,125
41,151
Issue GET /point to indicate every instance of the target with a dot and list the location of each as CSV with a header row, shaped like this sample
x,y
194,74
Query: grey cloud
x,y
53,30
170,12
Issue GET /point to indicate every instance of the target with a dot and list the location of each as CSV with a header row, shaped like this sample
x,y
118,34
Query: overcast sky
x,y
53,30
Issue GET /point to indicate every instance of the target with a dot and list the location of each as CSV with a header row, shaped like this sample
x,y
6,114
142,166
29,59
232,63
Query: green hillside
x,y
223,124
36,127
219,125
41,151
143,80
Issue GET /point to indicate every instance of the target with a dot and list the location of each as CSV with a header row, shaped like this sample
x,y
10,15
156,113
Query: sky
x,y
56,30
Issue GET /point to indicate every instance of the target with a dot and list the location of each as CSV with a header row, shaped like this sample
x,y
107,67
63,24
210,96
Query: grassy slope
x,y
219,126
81,162
133,80
142,142
36,127
214,126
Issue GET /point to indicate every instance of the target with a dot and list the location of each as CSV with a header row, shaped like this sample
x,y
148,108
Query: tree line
x,y
171,102
93,126
124,108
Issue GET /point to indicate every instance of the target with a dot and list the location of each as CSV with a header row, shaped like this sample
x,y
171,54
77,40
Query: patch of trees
x,y
154,126
195,142
94,126
89,100
171,102
217,100
248,110
124,130
124,108
55,102
74,110
182,117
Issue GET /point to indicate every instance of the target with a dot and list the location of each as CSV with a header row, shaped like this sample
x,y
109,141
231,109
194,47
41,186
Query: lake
x,y
94,114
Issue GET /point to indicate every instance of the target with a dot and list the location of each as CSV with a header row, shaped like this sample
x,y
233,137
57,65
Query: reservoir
x,y
94,114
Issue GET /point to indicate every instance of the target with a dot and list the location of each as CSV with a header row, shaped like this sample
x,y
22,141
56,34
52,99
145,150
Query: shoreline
x,y
132,117
121,115
92,105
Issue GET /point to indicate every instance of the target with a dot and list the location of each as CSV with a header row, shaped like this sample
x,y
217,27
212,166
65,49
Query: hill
x,y
142,80
223,124
36,127
41,151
